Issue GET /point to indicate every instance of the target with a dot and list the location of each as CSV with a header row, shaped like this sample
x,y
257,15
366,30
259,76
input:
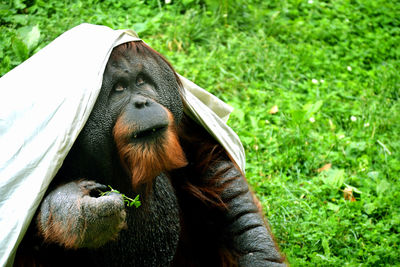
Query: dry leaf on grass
x,y
325,167
273,110
348,194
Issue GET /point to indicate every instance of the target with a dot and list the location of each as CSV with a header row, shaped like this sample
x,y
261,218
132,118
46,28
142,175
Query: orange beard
x,y
144,161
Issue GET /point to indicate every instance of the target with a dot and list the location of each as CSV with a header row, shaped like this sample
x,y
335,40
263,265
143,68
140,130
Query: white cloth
x,y
45,102
212,113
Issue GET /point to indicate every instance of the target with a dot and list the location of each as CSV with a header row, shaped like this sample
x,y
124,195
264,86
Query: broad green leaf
x,y
333,177
333,207
312,108
382,186
369,208
30,35
140,27
19,4
239,114
374,175
357,146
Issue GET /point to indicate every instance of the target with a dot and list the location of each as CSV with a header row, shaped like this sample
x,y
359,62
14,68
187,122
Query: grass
x,y
315,86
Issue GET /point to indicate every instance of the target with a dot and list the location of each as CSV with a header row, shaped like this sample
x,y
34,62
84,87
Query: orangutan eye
x,y
119,88
139,81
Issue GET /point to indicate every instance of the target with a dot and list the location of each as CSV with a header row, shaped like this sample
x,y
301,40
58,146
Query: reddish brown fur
x,y
56,232
146,161
205,152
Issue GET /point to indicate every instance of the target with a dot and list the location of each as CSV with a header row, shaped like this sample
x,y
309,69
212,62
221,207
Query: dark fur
x,y
197,209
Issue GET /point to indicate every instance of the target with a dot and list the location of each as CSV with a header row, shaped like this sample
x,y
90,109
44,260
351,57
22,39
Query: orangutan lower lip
x,y
150,132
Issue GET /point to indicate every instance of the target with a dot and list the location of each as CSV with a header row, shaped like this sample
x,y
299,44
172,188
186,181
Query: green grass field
x,y
315,86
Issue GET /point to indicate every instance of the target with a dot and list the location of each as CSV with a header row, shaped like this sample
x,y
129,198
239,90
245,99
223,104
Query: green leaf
x,y
333,177
140,27
20,19
239,114
325,245
382,187
136,202
312,108
20,49
373,175
30,35
355,147
18,4
253,122
333,207
129,201
369,208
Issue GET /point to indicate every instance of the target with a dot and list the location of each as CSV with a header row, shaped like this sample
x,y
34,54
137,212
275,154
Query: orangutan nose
x,y
140,102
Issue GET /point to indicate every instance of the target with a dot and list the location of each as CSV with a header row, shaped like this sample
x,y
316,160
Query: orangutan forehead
x,y
125,65
132,50
133,55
